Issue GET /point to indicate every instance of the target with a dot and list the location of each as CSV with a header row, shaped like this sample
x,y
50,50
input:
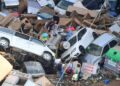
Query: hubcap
x,y
3,43
47,57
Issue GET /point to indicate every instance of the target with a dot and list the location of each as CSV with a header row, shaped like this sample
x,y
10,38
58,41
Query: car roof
x,y
103,39
76,32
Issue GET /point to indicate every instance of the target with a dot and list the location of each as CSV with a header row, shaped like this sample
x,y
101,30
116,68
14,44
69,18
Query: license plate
x,y
111,63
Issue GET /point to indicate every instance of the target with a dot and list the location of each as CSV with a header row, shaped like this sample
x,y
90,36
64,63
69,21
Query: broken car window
x,y
72,41
22,35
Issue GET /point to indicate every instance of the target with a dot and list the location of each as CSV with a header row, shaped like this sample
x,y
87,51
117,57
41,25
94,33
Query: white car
x,y
78,43
11,38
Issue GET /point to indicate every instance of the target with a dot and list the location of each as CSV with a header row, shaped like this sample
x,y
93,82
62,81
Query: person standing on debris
x,y
56,18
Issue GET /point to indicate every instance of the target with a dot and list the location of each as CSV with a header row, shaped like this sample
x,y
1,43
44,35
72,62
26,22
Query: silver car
x,y
11,38
99,47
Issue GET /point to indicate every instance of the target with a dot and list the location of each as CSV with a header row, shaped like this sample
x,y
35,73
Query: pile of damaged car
x,y
59,42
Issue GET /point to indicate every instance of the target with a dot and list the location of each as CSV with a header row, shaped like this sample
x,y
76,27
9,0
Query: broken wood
x,y
87,23
6,20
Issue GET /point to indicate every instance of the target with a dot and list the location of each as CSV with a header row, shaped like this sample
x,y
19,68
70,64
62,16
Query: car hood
x,y
92,59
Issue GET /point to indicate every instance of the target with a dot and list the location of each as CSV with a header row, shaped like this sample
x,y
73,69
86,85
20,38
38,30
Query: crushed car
x,y
10,38
99,47
77,43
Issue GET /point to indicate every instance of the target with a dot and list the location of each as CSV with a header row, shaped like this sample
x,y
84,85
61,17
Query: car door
x,y
36,46
112,43
21,41
73,42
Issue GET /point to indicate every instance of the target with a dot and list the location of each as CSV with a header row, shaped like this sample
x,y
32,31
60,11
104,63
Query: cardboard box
x,y
1,17
47,10
5,68
27,23
43,81
82,11
64,21
15,24
29,16
6,20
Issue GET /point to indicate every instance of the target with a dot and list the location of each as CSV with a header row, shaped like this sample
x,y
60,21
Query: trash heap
x,y
59,43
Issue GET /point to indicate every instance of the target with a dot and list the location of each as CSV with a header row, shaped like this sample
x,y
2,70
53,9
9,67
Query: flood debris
x,y
59,42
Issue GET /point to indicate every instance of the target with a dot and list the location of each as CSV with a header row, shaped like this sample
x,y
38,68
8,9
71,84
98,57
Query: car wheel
x,y
82,49
47,56
4,43
47,62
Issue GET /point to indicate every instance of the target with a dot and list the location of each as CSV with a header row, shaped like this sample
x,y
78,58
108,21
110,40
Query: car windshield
x,y
37,41
64,4
45,15
94,50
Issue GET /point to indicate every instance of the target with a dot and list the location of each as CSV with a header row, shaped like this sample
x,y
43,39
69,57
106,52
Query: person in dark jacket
x,y
56,18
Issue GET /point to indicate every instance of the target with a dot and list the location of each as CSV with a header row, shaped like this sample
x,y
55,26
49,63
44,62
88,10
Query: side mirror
x,y
66,45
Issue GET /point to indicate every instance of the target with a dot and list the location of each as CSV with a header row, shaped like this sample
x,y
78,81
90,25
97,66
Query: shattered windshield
x,y
94,50
64,4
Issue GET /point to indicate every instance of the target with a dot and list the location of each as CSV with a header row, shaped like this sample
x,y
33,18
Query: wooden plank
x,y
6,20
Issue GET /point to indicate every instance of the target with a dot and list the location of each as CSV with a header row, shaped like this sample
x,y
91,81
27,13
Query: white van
x,y
78,43
62,6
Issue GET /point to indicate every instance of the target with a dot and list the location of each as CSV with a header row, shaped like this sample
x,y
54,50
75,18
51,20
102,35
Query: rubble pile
x,y
59,42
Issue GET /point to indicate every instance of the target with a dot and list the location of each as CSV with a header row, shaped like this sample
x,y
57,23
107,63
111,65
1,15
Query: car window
x,y
22,35
106,48
72,41
45,15
64,4
113,43
94,49
37,41
81,33
94,35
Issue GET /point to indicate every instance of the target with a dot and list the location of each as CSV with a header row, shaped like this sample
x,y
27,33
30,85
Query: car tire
x,y
47,62
47,56
82,49
4,43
